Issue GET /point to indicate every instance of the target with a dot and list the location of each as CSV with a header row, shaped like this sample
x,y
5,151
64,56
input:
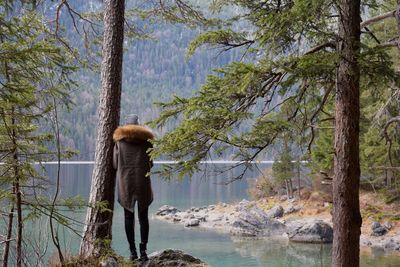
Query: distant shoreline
x,y
157,162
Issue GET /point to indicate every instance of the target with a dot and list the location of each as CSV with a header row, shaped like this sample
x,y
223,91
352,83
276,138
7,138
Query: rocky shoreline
x,y
247,218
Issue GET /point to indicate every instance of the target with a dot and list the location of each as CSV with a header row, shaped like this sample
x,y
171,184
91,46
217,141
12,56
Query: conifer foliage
x,y
34,80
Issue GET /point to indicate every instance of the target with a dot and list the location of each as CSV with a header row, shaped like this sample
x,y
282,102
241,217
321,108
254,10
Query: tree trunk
x,y
287,189
291,187
6,252
97,231
17,190
298,179
346,209
19,223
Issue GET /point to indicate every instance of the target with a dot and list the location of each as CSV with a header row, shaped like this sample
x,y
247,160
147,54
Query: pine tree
x,y
283,169
34,76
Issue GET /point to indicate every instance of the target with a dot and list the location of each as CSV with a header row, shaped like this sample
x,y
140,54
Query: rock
x,y
255,222
309,231
224,205
275,212
177,219
172,258
291,209
375,225
192,222
109,262
165,210
380,231
387,225
186,215
201,218
211,207
244,204
217,218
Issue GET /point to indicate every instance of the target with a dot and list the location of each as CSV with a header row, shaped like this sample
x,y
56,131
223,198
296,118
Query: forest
x,y
307,84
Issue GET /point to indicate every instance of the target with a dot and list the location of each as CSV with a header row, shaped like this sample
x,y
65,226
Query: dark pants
x,y
130,226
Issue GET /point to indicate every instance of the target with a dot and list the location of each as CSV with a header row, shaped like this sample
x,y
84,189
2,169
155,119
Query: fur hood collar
x,y
132,132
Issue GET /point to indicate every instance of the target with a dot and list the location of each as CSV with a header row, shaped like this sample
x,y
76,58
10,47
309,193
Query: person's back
x,y
132,162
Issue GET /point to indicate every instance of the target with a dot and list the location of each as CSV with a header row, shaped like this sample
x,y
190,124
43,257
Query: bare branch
x,y
378,18
320,47
391,43
387,137
388,123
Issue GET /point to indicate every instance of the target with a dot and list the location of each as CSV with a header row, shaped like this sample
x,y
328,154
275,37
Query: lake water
x,y
218,250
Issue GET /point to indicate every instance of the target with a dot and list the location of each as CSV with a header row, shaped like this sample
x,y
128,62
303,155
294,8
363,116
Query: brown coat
x,y
132,162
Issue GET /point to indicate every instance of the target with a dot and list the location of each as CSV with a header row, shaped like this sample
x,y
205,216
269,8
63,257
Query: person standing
x,y
132,163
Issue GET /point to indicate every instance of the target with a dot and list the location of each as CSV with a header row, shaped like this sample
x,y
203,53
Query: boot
x,y
133,255
143,255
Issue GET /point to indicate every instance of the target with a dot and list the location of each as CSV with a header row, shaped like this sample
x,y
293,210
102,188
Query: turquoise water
x,y
218,250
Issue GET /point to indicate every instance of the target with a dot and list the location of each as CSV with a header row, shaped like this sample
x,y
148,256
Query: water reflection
x,y
280,252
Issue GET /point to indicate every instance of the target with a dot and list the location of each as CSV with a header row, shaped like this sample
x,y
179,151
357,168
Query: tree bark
x,y
291,187
97,232
346,209
287,189
17,190
9,234
298,179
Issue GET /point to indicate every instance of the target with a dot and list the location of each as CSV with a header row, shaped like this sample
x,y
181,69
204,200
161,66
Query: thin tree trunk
x,y
287,189
346,209
19,223
17,190
11,214
298,179
9,234
97,231
291,187
53,231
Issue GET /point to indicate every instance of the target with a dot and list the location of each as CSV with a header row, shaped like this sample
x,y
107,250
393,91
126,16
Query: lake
x,y
218,250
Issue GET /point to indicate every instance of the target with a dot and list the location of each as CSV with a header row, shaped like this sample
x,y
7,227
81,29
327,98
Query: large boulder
x,y
309,231
255,222
192,222
291,209
172,258
166,210
378,229
275,212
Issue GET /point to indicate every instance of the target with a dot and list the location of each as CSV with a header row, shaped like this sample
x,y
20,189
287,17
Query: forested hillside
x,y
154,69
